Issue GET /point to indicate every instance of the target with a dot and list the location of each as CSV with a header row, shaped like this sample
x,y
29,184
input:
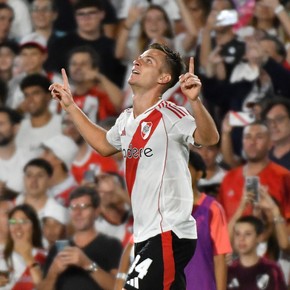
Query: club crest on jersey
x,y
146,129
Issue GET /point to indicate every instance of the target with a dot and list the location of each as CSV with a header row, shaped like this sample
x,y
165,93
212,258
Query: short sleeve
x,y
113,135
186,127
219,230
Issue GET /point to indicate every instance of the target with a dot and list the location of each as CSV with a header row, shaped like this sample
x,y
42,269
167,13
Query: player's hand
x,y
62,92
190,83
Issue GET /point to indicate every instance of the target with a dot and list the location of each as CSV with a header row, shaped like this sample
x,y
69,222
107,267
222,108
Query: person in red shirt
x,y
256,146
87,160
92,91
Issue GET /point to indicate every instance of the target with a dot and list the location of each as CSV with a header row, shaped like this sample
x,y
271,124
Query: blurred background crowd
x,y
53,186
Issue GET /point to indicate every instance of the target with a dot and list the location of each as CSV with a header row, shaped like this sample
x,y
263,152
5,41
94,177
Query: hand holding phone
x,y
252,186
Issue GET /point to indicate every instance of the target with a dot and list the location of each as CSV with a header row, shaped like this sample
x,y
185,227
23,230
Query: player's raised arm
x,y
206,132
92,133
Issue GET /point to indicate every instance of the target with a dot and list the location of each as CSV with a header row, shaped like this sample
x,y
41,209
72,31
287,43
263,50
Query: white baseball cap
x,y
63,147
56,211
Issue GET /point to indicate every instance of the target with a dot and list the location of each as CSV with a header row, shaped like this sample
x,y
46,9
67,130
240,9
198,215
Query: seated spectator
x,y
115,217
23,254
207,269
40,124
276,114
7,15
92,91
273,242
89,15
60,151
87,162
37,176
250,271
6,204
32,55
214,171
54,224
256,146
8,52
12,158
21,24
91,260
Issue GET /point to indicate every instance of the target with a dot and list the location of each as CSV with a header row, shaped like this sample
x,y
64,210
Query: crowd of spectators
x,y
54,187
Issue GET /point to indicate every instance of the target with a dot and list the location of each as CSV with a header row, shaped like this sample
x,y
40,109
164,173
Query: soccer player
x,y
154,137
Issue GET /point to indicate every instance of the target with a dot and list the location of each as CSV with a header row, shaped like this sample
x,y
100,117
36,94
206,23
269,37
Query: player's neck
x,y
142,102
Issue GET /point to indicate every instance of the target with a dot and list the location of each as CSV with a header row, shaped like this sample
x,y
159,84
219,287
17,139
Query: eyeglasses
x,y
41,9
87,14
275,121
19,221
80,206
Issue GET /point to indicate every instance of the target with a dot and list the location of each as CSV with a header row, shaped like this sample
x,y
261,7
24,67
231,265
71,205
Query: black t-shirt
x,y
105,47
105,251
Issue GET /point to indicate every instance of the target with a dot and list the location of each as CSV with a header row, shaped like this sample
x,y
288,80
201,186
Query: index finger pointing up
x,y
65,79
191,65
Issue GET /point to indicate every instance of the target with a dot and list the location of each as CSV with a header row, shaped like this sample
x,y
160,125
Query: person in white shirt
x,y
60,151
12,158
154,137
40,124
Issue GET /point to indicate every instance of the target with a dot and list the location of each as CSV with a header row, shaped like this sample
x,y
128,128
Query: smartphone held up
x,y
252,186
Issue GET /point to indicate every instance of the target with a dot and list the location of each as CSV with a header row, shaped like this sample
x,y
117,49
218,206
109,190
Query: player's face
x,y
256,142
245,238
278,122
147,69
82,213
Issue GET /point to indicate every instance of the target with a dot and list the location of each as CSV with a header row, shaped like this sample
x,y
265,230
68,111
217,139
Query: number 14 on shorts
x,y
141,269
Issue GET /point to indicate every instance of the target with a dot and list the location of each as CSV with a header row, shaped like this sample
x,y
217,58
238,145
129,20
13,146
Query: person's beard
x,y
5,140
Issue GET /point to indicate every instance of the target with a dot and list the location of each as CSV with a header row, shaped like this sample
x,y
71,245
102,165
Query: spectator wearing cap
x,y
60,151
87,160
12,158
32,55
207,269
91,260
8,52
89,15
39,124
37,176
54,224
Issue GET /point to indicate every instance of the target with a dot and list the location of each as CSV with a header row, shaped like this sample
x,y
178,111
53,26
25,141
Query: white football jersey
x,y
155,149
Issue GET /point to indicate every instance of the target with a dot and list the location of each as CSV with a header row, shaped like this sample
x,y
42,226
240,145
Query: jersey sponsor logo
x,y
146,129
136,153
